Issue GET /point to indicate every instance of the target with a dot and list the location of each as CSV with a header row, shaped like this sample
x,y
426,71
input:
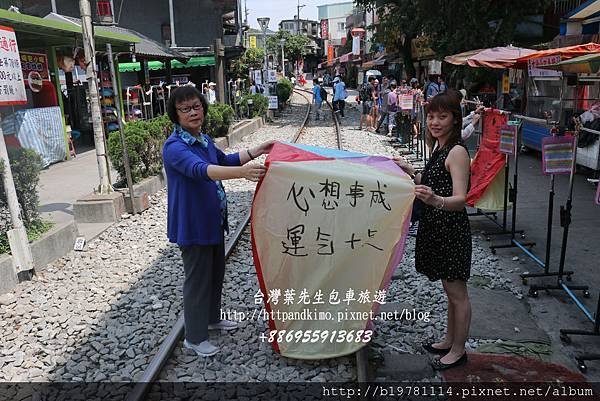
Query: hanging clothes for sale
x,y
488,161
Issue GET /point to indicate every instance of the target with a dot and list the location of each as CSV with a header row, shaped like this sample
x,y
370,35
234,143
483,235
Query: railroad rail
x,y
154,368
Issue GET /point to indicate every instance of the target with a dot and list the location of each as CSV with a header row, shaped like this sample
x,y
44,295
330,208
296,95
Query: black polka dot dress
x,y
443,248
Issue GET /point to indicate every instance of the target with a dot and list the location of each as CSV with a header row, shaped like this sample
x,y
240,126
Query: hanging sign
x,y
324,29
12,87
273,103
258,77
253,42
34,62
508,140
329,53
598,195
534,71
272,74
435,67
406,101
557,154
505,84
356,45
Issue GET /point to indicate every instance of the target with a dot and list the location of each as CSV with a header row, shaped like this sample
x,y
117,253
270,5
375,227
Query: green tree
x,y
295,45
253,58
451,26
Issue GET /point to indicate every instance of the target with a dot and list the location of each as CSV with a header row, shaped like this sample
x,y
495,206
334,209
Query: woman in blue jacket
x,y
197,211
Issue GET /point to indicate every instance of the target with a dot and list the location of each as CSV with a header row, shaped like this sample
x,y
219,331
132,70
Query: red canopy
x,y
498,57
495,57
565,53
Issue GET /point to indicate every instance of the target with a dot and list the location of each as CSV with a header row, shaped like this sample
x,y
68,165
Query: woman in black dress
x,y
443,247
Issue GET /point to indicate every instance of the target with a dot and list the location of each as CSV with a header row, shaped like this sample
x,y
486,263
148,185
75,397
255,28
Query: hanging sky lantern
x,y
328,230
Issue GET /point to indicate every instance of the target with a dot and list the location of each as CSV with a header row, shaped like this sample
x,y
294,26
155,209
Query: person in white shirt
x,y
469,122
212,95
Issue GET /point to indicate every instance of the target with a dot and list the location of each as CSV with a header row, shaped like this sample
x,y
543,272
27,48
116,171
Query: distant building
x,y
254,38
307,27
333,24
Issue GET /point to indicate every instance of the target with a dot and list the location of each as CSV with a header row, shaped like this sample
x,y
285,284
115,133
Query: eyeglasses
x,y
187,109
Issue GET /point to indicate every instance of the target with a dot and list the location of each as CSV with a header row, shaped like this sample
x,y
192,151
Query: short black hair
x,y
371,78
181,94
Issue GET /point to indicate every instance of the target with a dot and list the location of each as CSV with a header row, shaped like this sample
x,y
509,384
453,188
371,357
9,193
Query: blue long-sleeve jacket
x,y
194,211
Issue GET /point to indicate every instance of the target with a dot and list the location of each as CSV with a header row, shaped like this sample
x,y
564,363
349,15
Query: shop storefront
x,y
145,88
57,104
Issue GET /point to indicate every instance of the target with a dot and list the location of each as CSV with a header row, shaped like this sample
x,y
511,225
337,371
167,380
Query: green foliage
x,y
25,165
294,47
260,105
284,90
251,59
35,230
144,141
451,26
219,118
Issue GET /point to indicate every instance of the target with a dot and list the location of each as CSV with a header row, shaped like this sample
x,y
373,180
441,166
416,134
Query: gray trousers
x,y
204,268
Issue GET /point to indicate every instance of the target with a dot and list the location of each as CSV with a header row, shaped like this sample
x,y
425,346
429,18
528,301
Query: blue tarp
x,y
39,129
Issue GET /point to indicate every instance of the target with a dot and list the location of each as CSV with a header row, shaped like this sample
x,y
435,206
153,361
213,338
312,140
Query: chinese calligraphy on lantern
x,y
329,196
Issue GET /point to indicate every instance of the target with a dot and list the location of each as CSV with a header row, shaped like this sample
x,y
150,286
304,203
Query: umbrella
x,y
590,64
461,58
495,57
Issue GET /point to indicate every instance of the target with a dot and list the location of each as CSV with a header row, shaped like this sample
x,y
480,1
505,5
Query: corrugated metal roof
x,y
58,33
145,46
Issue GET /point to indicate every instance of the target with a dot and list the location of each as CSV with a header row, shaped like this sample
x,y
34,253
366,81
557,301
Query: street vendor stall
x,y
588,69
47,47
552,95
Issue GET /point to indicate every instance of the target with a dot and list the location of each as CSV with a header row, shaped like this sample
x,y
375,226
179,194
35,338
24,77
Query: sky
x,y
279,10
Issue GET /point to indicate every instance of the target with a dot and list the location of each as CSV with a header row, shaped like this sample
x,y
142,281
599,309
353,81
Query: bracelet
x,y
441,206
250,154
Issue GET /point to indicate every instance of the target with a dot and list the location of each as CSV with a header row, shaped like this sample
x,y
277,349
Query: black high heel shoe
x,y
439,365
431,349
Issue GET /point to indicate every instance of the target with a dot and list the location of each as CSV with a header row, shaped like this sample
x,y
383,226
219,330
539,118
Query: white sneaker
x,y
203,349
223,325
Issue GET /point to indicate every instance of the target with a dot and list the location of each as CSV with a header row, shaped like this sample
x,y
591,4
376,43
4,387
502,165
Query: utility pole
x,y
220,70
92,79
113,77
17,237
172,23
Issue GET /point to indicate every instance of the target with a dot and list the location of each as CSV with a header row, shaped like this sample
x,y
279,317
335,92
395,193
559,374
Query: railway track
x,y
171,342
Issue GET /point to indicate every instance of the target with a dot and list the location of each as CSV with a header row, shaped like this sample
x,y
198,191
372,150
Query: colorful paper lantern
x,y
328,230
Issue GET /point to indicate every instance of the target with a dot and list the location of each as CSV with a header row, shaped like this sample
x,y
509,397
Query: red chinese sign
x,y
12,88
35,62
329,53
324,29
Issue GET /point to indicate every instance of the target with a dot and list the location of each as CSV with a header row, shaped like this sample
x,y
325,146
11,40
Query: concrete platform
x,y
54,244
496,314
95,208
